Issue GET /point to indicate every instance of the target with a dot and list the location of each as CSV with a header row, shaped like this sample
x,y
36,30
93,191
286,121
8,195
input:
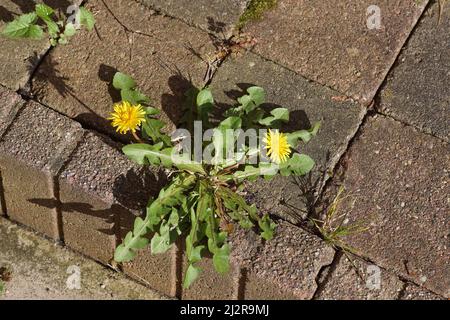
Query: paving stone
x,y
19,57
308,103
31,153
357,280
398,182
76,79
89,212
40,269
416,91
215,16
245,245
330,42
288,265
413,292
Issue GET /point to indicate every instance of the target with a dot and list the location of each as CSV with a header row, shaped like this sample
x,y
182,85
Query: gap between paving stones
x,y
222,29
421,130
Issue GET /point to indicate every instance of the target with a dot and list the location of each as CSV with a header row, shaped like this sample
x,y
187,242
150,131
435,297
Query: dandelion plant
x,y
203,200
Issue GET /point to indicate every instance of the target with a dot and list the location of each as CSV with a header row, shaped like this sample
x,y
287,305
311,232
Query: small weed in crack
x,y
333,227
27,26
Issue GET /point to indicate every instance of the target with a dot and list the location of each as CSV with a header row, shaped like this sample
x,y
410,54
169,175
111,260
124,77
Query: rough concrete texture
x,y
214,16
40,269
398,182
357,280
413,292
289,263
29,160
11,102
76,79
416,91
330,42
245,245
308,103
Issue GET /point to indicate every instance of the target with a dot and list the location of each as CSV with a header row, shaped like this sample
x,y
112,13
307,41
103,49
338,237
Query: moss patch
x,y
255,10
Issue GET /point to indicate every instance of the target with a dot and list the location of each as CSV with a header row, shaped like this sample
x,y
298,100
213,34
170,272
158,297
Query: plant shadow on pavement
x,y
131,192
216,32
171,103
48,72
133,189
308,187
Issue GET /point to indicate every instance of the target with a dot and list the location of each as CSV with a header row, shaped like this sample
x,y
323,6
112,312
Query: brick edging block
x,y
32,151
101,193
11,103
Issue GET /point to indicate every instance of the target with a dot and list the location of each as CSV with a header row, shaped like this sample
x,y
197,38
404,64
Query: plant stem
x,y
137,137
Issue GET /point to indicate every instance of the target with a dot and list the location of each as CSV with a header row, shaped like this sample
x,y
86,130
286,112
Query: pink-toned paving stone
x,y
32,151
398,184
287,267
330,42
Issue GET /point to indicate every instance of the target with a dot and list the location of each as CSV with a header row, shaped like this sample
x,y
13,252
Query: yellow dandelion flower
x,y
278,148
127,117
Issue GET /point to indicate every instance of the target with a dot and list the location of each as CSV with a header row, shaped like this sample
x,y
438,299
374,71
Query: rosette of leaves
x,y
202,202
31,25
